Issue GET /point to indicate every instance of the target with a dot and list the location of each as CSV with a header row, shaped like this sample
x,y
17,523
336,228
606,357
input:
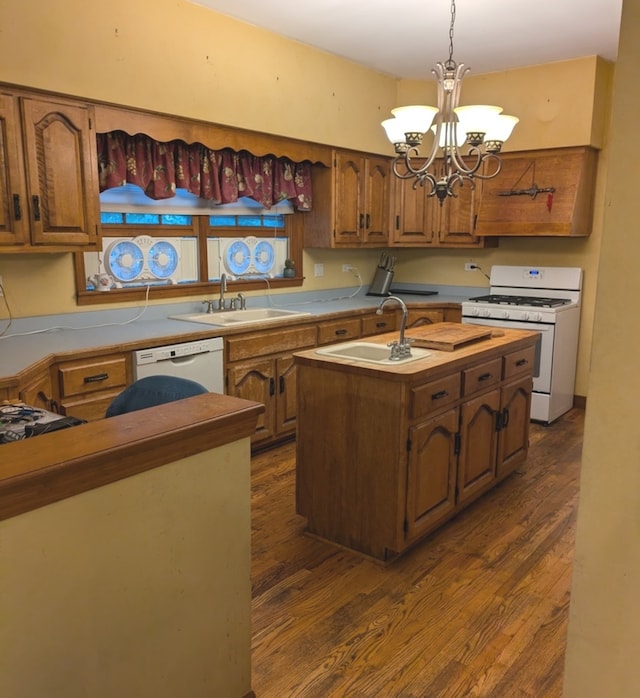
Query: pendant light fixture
x,y
482,129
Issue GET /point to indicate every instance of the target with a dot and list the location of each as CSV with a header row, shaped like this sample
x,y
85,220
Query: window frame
x,y
202,230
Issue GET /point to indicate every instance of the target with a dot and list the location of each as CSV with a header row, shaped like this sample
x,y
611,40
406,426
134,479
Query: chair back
x,y
151,391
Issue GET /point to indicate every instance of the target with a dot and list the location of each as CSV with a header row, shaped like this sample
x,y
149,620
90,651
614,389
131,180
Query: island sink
x,y
236,318
369,352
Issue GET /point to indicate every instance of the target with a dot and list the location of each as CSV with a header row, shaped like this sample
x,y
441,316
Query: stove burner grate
x,y
535,301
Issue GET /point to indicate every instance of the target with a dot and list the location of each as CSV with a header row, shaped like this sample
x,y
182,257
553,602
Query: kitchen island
x,y
389,451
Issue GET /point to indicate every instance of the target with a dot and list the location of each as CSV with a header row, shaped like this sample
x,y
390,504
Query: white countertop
x,y
29,339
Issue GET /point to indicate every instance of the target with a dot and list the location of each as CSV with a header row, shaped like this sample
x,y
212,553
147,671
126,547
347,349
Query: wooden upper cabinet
x,y
48,170
14,224
421,221
352,203
510,205
362,199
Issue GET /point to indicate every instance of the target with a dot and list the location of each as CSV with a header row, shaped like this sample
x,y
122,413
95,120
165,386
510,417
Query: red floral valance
x,y
221,176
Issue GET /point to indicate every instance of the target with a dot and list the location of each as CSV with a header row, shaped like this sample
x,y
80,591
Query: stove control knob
x,y
535,317
504,314
485,312
474,312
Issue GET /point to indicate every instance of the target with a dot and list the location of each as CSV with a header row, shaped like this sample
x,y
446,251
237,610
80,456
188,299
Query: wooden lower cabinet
x,y
383,459
271,382
35,390
84,388
260,367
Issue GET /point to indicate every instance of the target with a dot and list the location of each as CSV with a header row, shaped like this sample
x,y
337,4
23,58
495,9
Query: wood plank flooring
x,y
479,608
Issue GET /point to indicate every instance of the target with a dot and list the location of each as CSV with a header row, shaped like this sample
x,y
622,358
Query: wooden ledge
x,y
47,468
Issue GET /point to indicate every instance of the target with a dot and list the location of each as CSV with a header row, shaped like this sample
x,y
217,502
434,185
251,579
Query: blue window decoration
x,y
108,218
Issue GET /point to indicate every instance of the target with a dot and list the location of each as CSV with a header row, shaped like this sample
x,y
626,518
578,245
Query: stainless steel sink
x,y
369,352
235,318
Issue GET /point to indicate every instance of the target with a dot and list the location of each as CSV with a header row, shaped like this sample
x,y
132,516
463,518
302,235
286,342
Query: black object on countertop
x,y
413,292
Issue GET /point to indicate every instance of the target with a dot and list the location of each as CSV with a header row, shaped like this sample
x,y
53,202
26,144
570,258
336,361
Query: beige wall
x,y
138,588
604,627
221,70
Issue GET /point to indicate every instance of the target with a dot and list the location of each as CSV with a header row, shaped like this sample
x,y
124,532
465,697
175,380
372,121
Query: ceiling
x,y
405,38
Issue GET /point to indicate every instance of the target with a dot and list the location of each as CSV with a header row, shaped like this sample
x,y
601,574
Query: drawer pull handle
x,y
381,324
340,332
272,387
97,378
439,395
485,377
36,207
521,362
281,384
505,417
17,210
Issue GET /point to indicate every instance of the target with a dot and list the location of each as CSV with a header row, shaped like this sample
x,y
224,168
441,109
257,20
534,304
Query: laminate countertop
x,y
27,340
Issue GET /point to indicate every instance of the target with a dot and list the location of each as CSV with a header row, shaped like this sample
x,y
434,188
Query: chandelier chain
x,y
451,62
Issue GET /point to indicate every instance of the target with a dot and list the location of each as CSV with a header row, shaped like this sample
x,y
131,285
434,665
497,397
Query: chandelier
x,y
481,129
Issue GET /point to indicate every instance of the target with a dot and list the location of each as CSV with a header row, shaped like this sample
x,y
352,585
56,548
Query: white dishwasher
x,y
199,361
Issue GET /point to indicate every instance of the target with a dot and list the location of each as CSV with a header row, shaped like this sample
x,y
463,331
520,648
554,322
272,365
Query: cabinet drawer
x,y
519,362
434,395
481,377
247,346
377,324
88,377
338,330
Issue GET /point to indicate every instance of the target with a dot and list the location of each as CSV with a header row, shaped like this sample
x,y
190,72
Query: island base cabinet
x,y
386,456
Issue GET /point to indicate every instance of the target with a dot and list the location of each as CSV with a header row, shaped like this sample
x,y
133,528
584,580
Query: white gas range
x,y
547,300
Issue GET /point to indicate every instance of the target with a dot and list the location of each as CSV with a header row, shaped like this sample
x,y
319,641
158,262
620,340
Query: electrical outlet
x,y
346,267
318,269
470,266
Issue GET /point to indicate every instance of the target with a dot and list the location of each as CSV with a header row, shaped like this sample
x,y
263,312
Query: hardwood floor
x,y
479,608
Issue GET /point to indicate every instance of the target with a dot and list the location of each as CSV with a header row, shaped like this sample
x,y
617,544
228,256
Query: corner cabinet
x,y
351,203
48,174
409,447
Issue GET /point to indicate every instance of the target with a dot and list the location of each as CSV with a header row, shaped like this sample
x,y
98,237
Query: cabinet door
x,y
457,217
256,380
349,199
413,214
377,201
513,440
36,391
61,173
478,445
286,401
431,479
14,228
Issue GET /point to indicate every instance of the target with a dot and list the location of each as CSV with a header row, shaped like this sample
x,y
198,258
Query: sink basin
x,y
369,352
235,318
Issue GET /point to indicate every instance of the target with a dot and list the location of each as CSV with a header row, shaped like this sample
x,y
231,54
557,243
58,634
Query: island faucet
x,y
402,348
223,289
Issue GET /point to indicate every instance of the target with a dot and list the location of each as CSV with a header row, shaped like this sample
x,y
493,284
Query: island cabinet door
x,y
513,439
256,381
431,479
477,459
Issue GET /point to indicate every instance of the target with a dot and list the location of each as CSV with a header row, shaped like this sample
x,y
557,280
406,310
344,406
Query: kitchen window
x,y
181,246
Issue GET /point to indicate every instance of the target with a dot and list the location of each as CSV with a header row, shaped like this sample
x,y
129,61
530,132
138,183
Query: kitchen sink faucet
x,y
223,289
402,348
